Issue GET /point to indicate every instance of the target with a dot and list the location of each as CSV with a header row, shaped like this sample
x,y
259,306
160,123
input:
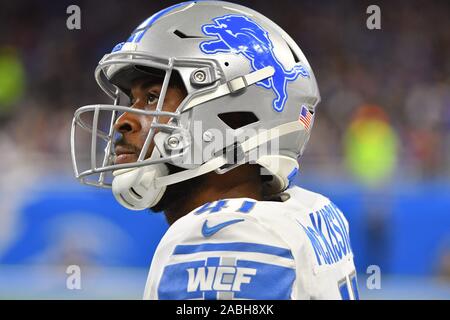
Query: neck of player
x,y
242,182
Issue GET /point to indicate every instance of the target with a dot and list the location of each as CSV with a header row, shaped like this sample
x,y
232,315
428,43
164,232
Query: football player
x,y
219,105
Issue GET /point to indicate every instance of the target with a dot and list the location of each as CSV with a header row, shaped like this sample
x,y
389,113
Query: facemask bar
x,y
108,151
141,59
159,105
108,138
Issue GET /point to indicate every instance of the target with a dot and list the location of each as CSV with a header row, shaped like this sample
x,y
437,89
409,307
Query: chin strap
x,y
143,187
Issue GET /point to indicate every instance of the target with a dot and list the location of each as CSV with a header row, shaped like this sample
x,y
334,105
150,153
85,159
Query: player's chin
x,y
125,158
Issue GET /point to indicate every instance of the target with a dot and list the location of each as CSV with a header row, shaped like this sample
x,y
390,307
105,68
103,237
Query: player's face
x,y
134,128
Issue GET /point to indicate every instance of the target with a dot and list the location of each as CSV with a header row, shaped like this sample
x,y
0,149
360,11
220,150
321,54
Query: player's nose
x,y
127,123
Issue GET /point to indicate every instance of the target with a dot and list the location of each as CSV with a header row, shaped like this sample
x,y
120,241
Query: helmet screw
x,y
199,76
207,136
173,142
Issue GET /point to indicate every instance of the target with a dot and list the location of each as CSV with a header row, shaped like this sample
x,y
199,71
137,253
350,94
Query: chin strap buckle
x,y
237,84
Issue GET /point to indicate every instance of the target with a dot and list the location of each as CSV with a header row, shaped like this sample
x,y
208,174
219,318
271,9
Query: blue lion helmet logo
x,y
240,35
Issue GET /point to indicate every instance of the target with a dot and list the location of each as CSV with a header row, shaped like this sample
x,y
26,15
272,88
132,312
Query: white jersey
x,y
247,249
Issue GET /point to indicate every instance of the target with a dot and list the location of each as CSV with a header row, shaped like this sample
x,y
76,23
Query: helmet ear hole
x,y
236,120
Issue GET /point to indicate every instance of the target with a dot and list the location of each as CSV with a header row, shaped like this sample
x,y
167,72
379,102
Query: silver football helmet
x,y
231,59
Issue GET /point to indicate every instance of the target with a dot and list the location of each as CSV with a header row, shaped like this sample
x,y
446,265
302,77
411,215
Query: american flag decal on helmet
x,y
306,118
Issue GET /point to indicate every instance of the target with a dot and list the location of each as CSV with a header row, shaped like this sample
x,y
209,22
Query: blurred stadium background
x,y
380,148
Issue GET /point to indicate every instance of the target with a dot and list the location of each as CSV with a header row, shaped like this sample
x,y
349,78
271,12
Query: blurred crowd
x,y
402,69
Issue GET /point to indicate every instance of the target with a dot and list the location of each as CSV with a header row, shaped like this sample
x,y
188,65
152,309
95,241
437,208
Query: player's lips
x,y
124,155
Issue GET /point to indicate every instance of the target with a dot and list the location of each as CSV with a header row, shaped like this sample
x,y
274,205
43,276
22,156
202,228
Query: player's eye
x,y
152,99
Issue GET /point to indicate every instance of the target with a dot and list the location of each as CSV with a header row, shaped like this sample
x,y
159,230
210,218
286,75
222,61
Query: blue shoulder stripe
x,y
234,246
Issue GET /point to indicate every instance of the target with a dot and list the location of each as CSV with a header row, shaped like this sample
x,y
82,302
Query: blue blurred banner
x,y
404,230
64,223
